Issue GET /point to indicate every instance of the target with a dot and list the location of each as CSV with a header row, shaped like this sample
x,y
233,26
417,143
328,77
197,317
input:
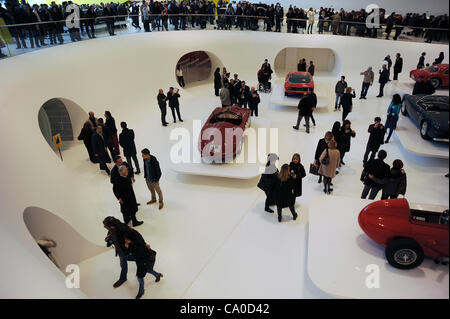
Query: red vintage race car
x,y
408,233
298,83
222,136
437,74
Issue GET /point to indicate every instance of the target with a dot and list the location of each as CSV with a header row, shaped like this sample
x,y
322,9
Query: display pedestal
x,y
409,135
342,260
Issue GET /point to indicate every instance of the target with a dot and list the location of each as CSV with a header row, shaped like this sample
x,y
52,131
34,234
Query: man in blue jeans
x,y
339,89
145,258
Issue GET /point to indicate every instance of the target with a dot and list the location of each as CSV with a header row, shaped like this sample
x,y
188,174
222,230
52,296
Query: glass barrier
x,y
21,38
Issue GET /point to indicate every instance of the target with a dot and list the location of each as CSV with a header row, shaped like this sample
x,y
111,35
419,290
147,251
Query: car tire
x,y
285,94
404,253
424,130
436,82
404,110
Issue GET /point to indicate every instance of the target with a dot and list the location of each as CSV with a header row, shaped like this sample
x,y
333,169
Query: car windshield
x,y
434,103
433,68
228,117
299,78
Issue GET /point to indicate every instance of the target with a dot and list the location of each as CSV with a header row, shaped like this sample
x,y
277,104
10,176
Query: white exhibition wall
x,y
399,6
79,72
324,60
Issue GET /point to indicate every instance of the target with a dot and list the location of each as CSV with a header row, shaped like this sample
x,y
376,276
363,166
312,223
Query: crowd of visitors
x,y
39,23
236,92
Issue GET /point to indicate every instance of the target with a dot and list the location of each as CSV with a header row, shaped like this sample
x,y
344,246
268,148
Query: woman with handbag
x,y
297,172
393,114
329,162
284,190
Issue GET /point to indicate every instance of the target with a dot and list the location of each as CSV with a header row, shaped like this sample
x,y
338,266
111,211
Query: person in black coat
x,y
376,139
301,66
145,258
109,14
346,135
395,184
123,190
253,101
439,59
243,94
99,149
322,145
93,119
284,192
108,135
116,236
421,63
217,81
384,78
398,66
298,173
162,103
347,102
305,109
90,21
174,104
267,181
86,137
377,168
110,123
126,140
423,87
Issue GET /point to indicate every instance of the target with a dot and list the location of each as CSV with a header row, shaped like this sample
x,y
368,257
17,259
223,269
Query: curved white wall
x,y
117,74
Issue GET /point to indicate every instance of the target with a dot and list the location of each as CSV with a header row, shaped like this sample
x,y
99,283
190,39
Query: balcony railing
x,y
21,38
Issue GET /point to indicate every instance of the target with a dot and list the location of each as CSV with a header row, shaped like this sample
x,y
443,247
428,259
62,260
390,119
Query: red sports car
x,y
298,83
408,234
222,136
437,74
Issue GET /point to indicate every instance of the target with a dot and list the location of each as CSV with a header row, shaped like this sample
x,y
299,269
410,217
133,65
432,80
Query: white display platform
x,y
277,97
239,169
340,257
409,135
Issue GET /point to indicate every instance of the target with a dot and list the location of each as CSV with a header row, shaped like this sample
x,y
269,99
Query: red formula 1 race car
x,y
298,83
222,136
437,74
408,234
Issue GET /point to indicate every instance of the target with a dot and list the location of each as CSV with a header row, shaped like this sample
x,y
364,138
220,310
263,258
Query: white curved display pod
x,y
344,262
409,136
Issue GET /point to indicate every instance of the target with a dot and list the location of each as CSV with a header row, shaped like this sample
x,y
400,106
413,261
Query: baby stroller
x,y
264,84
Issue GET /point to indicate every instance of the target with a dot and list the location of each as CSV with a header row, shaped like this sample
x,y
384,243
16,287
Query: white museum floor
x,y
213,237
223,244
